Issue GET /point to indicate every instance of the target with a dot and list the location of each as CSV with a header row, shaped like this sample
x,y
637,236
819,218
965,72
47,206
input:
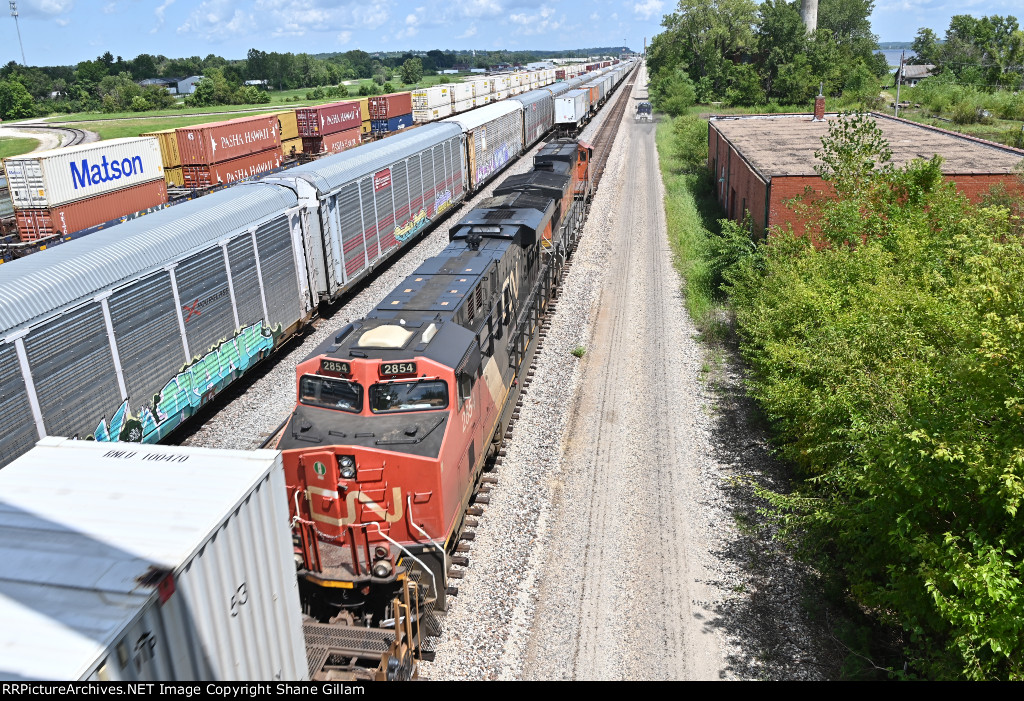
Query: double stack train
x,y
126,333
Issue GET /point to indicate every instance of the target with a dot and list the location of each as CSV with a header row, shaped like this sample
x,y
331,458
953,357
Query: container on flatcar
x,y
230,171
364,109
494,136
420,116
463,106
572,106
208,144
292,147
333,143
366,127
37,223
288,125
59,176
168,140
178,567
432,97
175,177
331,118
390,106
391,125
461,92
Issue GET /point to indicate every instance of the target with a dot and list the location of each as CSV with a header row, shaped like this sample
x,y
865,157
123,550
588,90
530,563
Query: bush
x,y
139,104
690,136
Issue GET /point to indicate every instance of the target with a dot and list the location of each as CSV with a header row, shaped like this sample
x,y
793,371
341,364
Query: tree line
x,y
986,52
742,53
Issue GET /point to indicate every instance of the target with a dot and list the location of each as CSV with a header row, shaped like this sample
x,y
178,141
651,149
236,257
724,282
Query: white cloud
x,y
344,37
216,20
480,8
46,7
110,8
160,12
540,23
648,8
471,32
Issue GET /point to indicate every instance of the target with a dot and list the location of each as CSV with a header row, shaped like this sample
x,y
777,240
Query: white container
x,y
147,562
463,105
59,176
462,92
429,115
500,95
428,98
481,88
571,107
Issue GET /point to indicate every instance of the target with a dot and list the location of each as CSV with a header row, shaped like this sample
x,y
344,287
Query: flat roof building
x,y
760,162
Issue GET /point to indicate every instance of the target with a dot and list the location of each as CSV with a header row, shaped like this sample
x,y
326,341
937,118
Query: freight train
x,y
125,334
399,412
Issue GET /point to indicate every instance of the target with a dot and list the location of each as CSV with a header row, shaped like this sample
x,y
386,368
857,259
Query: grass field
x,y
134,127
16,146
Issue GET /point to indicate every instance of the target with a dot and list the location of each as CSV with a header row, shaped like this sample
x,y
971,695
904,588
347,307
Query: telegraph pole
x,y
14,14
899,82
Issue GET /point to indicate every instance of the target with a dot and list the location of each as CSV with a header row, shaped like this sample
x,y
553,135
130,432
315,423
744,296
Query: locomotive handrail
x,y
402,548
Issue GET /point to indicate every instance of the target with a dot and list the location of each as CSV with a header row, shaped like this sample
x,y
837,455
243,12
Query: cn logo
x,y
191,311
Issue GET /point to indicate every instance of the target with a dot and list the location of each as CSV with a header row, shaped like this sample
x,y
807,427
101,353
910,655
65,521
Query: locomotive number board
x,y
335,366
396,369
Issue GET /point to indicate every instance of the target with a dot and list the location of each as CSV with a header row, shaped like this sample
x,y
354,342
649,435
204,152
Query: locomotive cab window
x,y
330,393
408,396
465,387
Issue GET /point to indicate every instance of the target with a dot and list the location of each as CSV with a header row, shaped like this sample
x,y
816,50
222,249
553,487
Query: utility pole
x,y
14,14
899,82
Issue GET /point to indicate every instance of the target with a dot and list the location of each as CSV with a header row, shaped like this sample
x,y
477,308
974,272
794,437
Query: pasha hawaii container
x,y
207,144
51,178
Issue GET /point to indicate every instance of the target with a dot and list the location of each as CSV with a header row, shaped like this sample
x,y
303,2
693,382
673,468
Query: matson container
x,y
207,144
333,143
428,115
328,119
389,106
386,126
129,562
34,224
235,169
168,140
52,178
429,98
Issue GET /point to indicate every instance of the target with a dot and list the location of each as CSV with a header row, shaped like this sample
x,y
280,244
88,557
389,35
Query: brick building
x,y
760,162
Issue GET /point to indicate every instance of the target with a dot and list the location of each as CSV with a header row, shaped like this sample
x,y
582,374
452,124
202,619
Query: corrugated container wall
x,y
333,143
292,147
233,170
393,124
461,92
68,218
288,125
52,178
390,106
207,144
494,137
538,114
421,116
152,563
430,98
174,177
328,119
168,139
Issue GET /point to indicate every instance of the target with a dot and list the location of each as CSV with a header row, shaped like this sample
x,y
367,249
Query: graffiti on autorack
x,y
194,385
498,159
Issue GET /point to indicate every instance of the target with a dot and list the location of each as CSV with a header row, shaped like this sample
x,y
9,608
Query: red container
x,y
388,106
230,171
328,119
36,224
334,143
206,144
560,74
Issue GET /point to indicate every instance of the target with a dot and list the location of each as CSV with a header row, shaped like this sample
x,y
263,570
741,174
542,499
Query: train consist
x,y
124,334
398,413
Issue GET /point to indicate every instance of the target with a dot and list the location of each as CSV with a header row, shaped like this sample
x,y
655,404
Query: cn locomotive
x,y
399,412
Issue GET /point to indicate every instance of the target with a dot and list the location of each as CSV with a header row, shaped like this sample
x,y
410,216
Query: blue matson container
x,y
378,126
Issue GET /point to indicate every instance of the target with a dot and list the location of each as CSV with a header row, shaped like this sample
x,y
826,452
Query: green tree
x,y
411,71
781,36
15,101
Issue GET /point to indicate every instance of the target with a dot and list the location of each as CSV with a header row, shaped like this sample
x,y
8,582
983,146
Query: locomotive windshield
x,y
330,393
409,396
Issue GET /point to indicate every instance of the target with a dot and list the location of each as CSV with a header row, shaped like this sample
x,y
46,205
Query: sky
x,y
64,32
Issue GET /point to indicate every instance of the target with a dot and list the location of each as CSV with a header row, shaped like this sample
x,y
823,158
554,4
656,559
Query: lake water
x,y
893,56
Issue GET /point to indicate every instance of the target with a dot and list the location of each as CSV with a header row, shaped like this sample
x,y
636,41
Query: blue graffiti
x,y
194,385
499,157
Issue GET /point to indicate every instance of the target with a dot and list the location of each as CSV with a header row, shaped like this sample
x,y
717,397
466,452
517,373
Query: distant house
x,y
449,71
262,84
912,75
477,70
187,86
170,84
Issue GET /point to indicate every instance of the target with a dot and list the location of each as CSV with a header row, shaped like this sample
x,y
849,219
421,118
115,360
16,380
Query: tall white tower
x,y
809,14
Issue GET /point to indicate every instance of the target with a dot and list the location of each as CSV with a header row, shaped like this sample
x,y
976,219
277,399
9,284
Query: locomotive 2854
x,y
399,412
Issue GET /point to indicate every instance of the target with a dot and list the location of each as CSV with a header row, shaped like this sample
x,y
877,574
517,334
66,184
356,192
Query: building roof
x,y
914,72
781,145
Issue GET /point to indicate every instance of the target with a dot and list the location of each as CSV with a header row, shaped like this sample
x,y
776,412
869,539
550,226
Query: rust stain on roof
x,y
780,145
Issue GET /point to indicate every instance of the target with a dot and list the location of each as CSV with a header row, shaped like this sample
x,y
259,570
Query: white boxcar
x,y
147,563
572,107
429,98
59,176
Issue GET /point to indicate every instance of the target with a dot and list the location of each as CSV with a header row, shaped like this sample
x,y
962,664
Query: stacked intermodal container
x,y
330,128
332,143
66,190
390,113
168,140
364,114
431,103
224,152
462,97
291,140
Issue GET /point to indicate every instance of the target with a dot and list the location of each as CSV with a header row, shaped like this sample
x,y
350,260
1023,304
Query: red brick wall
x,y
737,187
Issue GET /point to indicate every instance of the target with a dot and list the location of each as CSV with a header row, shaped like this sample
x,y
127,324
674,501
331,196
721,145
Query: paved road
x,y
620,595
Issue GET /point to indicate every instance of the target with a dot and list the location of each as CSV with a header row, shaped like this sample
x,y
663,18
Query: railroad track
x,y
68,135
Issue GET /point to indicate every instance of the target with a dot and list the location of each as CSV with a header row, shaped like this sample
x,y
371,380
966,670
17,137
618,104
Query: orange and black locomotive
x,y
399,412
